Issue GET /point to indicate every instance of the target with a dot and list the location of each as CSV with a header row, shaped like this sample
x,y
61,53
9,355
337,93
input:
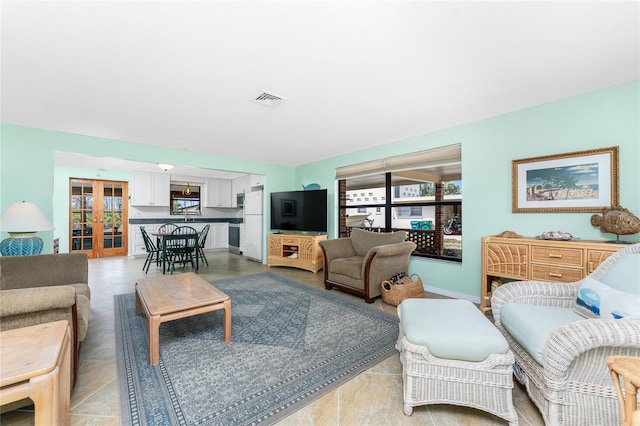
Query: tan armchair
x,y
45,288
359,264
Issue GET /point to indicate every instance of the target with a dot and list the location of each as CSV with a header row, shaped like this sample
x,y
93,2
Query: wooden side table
x,y
35,363
627,367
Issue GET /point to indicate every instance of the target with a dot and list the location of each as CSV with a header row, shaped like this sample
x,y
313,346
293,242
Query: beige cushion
x,y
84,307
349,266
363,241
82,289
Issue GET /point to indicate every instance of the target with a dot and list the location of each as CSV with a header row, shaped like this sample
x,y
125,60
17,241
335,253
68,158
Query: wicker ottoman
x,y
452,354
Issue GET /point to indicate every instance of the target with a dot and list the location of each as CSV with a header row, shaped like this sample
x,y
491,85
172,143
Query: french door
x,y
98,217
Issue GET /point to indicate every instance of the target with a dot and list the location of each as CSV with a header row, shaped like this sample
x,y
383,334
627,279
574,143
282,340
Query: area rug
x,y
291,344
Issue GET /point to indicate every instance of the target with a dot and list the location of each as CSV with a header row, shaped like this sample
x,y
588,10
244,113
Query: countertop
x,y
180,219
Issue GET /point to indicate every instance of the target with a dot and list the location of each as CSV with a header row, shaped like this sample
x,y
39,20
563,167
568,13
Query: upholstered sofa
x,y
360,263
45,288
560,344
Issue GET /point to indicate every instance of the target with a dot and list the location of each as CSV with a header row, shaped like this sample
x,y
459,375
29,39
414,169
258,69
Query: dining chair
x,y
151,249
183,248
166,228
201,242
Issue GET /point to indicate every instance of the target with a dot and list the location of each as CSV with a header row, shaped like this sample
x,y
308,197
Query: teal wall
x,y
595,120
27,169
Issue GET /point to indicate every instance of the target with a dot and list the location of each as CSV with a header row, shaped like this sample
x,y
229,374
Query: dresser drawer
x,y
595,258
290,241
557,256
555,273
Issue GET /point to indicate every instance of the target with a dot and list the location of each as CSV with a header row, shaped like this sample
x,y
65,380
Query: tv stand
x,y
295,251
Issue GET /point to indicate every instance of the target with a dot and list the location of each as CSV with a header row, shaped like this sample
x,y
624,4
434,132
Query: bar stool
x,y
627,367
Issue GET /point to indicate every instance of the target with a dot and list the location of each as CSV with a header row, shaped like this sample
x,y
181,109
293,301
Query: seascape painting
x,y
583,181
576,182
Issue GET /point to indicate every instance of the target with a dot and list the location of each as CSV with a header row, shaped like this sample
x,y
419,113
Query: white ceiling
x,y
356,74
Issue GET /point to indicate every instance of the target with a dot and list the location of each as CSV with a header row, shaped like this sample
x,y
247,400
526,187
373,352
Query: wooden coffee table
x,y
36,364
171,297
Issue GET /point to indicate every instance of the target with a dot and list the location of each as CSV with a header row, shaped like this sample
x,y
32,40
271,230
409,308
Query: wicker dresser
x,y
537,259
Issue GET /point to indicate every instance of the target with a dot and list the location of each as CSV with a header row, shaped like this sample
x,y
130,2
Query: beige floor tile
x,y
322,411
103,402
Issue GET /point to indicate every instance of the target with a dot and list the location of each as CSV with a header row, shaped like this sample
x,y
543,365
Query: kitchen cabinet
x,y
136,242
218,193
150,189
240,185
256,181
522,259
219,236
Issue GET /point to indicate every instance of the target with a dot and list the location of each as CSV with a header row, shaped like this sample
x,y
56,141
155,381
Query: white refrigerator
x,y
253,225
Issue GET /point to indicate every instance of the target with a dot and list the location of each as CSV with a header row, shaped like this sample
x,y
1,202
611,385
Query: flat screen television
x,y
301,211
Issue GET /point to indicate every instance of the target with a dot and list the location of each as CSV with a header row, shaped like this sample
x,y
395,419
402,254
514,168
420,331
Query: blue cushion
x,y
598,300
450,329
624,274
531,325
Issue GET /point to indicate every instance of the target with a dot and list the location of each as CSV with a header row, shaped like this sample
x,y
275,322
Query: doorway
x,y
98,217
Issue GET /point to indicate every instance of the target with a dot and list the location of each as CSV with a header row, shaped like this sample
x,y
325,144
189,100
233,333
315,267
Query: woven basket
x,y
405,288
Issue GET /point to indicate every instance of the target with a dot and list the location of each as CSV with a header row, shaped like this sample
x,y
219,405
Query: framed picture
x,y
583,181
288,207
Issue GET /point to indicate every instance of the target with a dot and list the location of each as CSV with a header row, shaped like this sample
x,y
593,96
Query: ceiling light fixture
x,y
187,191
165,167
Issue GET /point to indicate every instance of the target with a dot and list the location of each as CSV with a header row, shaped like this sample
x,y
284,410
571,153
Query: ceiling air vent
x,y
269,99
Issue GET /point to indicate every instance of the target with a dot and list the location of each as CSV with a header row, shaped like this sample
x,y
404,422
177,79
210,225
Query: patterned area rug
x,y
291,344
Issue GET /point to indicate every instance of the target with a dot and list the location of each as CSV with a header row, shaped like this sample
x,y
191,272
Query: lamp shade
x,y
24,217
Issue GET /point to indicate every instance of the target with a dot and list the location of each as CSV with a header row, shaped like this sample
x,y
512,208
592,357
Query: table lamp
x,y
22,220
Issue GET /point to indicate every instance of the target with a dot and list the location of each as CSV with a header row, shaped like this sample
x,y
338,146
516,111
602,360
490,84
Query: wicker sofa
x,y
360,263
560,355
46,288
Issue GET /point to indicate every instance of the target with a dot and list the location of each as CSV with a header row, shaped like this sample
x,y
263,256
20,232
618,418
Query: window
x,y
414,211
420,193
185,199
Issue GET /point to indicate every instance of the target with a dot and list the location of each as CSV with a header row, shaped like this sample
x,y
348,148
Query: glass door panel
x,y
112,203
98,216
81,216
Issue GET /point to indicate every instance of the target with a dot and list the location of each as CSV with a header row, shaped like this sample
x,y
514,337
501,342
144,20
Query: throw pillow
x,y
598,300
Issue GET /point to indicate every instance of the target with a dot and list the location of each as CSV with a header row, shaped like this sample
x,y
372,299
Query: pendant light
x,y
187,191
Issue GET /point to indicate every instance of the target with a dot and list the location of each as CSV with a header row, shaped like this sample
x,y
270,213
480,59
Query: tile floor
x,y
372,398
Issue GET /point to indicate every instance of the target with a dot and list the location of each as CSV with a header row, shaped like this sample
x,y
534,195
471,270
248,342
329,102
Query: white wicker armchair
x,y
573,387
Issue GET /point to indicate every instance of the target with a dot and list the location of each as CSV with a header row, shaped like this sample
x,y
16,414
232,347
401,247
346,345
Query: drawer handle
x,y
555,275
555,256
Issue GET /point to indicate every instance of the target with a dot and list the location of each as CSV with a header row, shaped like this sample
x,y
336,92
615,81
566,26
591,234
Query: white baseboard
x,y
453,294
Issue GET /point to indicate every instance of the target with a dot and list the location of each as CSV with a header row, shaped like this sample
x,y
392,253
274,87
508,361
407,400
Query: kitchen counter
x,y
180,219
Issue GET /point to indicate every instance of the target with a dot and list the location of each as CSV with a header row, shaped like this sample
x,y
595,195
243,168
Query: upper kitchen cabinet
x,y
218,193
150,189
240,185
256,181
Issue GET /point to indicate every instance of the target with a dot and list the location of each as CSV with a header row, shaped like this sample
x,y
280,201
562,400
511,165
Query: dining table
x,y
166,237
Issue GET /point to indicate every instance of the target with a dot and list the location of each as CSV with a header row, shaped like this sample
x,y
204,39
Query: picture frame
x,y
288,207
581,181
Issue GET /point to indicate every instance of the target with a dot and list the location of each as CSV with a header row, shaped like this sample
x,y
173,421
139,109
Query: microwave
x,y
240,199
